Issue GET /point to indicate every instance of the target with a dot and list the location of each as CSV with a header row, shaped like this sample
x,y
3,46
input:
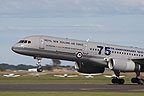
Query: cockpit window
x,y
24,41
21,41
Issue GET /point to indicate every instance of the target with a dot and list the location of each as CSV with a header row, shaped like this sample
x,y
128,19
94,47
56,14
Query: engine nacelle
x,y
123,65
88,68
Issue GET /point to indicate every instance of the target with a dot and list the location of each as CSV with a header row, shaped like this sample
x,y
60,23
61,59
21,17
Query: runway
x,y
70,88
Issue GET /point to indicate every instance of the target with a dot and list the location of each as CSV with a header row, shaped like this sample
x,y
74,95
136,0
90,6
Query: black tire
x,y
118,81
115,81
39,70
141,82
134,80
121,81
138,81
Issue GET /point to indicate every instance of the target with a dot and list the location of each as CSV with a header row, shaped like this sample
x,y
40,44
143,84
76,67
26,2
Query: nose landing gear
x,y
39,67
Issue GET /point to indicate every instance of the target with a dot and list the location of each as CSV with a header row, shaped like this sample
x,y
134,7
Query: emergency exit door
x,y
42,44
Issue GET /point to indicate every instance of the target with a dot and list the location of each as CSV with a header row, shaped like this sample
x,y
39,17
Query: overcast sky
x,y
118,22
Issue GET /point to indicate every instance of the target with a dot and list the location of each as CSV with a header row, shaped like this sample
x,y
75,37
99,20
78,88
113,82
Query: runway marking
x,y
137,90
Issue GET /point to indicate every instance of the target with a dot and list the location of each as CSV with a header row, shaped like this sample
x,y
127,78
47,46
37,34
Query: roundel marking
x,y
79,55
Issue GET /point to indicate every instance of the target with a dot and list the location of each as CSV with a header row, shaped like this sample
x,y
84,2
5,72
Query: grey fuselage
x,y
68,49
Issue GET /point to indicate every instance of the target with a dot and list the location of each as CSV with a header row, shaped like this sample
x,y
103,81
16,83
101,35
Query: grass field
x,y
50,79
56,80
68,94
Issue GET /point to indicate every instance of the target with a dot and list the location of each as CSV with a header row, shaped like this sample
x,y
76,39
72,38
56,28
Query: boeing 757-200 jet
x,y
90,57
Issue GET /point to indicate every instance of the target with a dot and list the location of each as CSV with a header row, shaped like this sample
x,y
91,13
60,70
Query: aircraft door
x,y
85,48
42,44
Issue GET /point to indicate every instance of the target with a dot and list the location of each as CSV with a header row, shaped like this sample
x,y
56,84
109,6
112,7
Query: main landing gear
x,y
117,80
137,80
39,67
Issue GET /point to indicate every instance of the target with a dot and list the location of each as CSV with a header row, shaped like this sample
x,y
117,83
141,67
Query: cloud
x,y
69,8
30,28
89,25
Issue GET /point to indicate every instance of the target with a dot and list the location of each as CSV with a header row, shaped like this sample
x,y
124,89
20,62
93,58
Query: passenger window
x,y
25,41
29,42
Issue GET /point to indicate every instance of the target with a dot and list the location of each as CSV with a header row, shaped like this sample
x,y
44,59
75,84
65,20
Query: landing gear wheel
x,y
138,81
39,69
118,81
134,80
141,82
115,81
121,81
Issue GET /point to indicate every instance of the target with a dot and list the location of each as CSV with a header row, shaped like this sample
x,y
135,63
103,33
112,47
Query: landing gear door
x,y
42,44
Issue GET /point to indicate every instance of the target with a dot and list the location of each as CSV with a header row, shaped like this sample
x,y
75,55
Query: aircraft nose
x,y
18,48
13,48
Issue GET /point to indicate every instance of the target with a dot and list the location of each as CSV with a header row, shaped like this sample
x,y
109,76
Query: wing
x,y
92,74
107,76
59,76
6,75
16,76
73,76
121,76
89,76
113,76
96,74
84,74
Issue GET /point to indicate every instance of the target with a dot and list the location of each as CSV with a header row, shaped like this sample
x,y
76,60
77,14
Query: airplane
x,y
90,57
91,75
36,75
66,75
113,76
11,75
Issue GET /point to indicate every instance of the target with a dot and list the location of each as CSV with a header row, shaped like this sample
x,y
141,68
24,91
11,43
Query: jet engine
x,y
123,65
89,68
